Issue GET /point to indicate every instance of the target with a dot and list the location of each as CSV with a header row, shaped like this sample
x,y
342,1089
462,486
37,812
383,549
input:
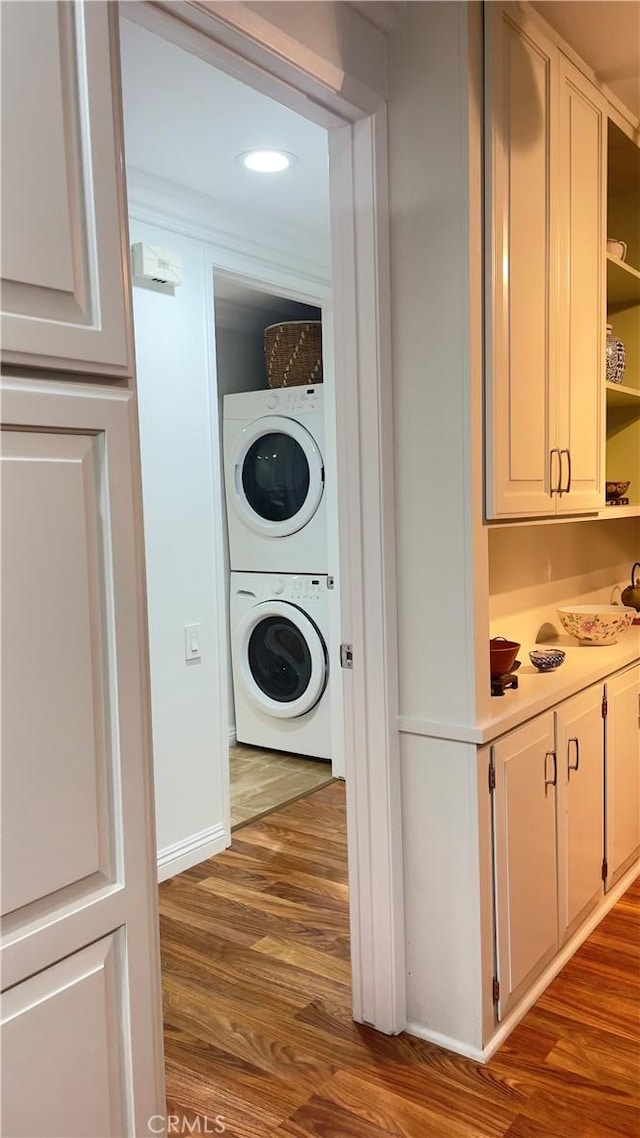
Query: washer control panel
x,y
303,588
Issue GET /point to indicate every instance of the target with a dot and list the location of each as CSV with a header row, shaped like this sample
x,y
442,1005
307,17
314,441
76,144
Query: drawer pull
x,y
573,766
555,489
550,781
567,488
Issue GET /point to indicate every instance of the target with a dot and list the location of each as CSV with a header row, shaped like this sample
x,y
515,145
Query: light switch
x,y
192,642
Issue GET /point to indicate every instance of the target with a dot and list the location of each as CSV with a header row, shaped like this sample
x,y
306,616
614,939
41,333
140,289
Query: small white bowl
x,y
596,624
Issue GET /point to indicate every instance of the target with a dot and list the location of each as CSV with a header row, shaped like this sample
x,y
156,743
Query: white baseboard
x,y
232,737
190,851
446,1041
504,1029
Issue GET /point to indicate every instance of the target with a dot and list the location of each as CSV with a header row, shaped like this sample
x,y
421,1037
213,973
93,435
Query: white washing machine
x,y
274,477
280,660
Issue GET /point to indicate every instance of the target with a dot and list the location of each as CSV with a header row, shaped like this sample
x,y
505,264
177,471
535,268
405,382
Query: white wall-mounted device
x,y
158,265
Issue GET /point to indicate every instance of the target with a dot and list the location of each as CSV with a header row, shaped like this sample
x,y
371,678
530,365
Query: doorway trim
x,y
230,37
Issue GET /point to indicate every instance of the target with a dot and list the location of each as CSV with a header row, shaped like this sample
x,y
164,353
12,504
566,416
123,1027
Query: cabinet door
x,y
61,1040
77,839
522,286
525,856
64,265
580,749
622,785
580,326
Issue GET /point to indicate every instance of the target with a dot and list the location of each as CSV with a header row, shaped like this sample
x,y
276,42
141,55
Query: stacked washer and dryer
x,y
279,605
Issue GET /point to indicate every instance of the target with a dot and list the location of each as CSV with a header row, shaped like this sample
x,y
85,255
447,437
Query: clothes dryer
x,y
280,661
274,474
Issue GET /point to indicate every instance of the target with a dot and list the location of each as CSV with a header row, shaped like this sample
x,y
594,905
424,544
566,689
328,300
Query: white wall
x,y
441,548
534,569
178,480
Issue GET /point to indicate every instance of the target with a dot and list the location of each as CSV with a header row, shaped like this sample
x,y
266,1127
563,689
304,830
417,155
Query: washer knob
x,y
272,402
277,586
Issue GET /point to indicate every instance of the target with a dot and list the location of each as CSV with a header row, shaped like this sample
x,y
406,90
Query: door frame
x,y
233,38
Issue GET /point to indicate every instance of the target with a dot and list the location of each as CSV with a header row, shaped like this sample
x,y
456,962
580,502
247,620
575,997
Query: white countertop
x,y
537,691
583,665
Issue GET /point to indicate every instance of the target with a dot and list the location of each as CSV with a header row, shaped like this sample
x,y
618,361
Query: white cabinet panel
x,y
580,748
65,304
622,757
56,828
79,856
522,270
581,323
525,850
62,1040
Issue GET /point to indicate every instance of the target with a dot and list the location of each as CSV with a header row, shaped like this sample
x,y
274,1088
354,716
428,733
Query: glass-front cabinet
x,y
623,318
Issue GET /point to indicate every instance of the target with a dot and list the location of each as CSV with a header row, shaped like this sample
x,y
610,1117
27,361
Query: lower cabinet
x,y
566,821
622,765
580,790
526,770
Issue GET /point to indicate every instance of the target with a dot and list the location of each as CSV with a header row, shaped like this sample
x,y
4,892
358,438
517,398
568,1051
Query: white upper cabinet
x,y
580,335
64,298
545,154
522,272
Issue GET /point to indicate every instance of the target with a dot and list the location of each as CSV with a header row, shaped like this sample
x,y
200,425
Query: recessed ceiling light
x,y
266,161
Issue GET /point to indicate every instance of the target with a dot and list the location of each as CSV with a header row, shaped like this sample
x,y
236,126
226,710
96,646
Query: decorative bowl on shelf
x,y
617,249
617,490
596,624
502,655
546,659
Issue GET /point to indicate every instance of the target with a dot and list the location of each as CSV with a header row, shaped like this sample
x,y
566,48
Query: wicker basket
x,y
293,353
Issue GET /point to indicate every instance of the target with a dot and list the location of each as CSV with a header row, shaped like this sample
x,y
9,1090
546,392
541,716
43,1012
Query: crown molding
x,y
383,14
165,203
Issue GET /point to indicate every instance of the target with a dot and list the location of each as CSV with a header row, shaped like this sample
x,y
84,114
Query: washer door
x,y
278,476
282,658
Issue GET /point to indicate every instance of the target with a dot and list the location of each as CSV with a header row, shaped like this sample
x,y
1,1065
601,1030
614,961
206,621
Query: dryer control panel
x,y
298,400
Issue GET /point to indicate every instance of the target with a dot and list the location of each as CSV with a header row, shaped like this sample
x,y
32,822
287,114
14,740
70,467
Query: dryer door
x,y
278,476
282,657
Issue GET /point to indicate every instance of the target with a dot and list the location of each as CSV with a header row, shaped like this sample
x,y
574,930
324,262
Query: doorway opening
x,y
355,318
237,423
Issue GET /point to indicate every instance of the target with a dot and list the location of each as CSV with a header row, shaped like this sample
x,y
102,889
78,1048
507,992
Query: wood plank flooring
x,y
263,780
260,1041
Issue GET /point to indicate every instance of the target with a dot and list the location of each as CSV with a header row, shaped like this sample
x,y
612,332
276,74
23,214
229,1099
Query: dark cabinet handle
x,y
550,781
566,489
573,766
555,489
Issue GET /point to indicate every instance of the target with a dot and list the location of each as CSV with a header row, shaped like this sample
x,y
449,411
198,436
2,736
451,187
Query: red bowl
x,y
502,654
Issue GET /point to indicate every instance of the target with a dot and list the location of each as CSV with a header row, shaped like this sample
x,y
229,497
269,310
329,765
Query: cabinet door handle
x,y
573,766
566,489
550,781
555,489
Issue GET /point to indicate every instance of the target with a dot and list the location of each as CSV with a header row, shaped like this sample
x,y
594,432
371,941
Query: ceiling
x,y
186,122
606,34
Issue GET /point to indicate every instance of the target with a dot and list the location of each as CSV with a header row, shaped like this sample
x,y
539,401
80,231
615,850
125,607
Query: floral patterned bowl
x,y
596,624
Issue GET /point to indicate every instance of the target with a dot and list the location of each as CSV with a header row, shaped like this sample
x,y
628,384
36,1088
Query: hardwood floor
x,y
263,780
259,1038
